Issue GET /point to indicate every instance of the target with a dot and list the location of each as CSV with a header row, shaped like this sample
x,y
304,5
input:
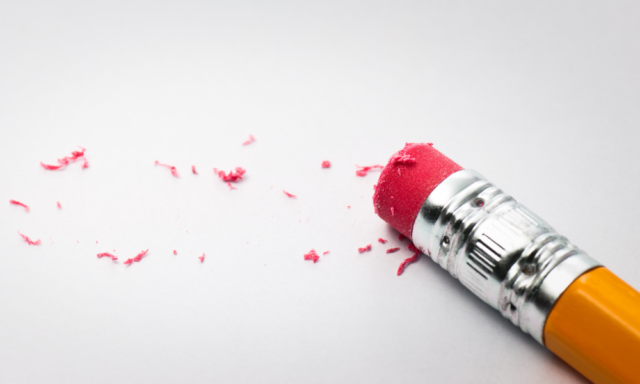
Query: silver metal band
x,y
496,247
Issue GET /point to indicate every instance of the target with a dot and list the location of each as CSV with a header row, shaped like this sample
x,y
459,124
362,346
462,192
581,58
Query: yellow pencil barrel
x,y
595,327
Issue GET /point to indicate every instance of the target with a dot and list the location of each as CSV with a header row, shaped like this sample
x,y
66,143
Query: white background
x,y
542,99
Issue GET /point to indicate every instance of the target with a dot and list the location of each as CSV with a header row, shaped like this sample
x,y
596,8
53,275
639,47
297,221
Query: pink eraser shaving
x,y
406,181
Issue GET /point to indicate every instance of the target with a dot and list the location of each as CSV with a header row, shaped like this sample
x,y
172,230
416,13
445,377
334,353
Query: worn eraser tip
x,y
406,181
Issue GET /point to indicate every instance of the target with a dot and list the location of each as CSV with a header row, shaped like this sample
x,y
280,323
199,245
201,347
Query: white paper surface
x,y
541,99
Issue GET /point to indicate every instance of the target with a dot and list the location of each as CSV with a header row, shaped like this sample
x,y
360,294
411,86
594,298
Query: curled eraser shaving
x,y
406,181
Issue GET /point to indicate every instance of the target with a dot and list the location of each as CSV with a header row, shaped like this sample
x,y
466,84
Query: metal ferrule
x,y
505,254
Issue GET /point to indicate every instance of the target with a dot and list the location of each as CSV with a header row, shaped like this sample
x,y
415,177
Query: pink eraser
x,y
406,181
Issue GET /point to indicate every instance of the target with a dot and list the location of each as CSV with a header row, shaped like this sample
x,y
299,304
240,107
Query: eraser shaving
x,y
407,261
28,240
312,255
364,170
232,176
251,140
14,202
174,170
137,258
63,162
365,249
107,254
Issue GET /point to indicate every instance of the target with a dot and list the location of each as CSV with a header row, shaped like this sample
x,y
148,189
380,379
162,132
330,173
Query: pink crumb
x,y
140,255
326,164
174,170
402,159
348,206
58,204
175,252
382,241
288,194
75,155
201,258
363,170
407,261
28,240
231,187
325,252
193,170
14,202
312,255
251,140
365,249
393,211
137,258
107,254
391,250
51,167
232,176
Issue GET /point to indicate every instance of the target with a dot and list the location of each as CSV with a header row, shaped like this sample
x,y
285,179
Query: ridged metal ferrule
x,y
496,247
